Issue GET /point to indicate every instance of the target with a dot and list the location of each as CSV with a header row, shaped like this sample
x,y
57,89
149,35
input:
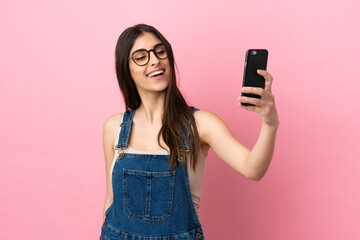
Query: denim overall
x,y
150,202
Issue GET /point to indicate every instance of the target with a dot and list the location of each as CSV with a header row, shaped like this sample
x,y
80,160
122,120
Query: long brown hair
x,y
176,110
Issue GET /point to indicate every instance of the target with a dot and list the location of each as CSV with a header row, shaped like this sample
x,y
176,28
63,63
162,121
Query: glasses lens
x,y
141,57
160,52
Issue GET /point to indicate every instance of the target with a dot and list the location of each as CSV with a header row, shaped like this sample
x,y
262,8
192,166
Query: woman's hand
x,y
265,106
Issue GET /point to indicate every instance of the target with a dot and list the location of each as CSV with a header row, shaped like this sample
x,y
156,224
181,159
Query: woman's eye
x,y
140,58
161,53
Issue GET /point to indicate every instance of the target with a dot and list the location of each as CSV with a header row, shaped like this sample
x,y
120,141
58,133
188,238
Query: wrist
x,y
273,125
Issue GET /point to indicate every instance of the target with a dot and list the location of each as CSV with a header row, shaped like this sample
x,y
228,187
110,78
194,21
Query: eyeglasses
x,y
142,56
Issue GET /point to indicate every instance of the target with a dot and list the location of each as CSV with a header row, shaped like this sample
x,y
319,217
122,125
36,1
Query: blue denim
x,y
150,201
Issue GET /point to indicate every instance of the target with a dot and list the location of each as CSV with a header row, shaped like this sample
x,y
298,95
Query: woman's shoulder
x,y
204,115
114,119
202,119
206,121
112,122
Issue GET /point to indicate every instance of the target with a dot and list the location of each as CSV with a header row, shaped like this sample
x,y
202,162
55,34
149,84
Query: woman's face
x,y
143,76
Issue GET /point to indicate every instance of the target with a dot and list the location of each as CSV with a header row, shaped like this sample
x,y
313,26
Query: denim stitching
x,y
106,237
147,216
148,195
144,173
169,236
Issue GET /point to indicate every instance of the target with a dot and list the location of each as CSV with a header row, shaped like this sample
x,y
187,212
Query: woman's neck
x,y
151,109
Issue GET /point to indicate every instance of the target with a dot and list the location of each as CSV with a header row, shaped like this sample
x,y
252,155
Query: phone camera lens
x,y
253,52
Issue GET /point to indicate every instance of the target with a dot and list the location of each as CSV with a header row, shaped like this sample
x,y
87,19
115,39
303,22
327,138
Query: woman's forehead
x,y
145,40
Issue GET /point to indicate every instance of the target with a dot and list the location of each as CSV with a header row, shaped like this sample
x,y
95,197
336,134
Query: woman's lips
x,y
156,70
157,76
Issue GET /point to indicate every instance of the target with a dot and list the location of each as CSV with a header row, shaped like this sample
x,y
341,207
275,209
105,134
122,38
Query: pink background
x,y
58,85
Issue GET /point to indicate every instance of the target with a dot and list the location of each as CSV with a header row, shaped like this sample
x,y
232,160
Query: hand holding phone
x,y
255,59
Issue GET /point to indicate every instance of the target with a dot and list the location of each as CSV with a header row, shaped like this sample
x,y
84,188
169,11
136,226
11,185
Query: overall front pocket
x,y
148,195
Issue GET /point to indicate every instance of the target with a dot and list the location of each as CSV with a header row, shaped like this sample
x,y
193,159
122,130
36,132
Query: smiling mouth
x,y
156,73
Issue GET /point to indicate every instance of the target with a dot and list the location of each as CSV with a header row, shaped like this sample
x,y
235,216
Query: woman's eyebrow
x,y
145,49
157,45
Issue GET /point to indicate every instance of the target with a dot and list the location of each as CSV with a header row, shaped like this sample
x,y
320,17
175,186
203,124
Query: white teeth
x,y
156,73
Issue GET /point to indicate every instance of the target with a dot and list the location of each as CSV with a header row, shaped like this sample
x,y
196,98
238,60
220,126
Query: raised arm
x,y
214,131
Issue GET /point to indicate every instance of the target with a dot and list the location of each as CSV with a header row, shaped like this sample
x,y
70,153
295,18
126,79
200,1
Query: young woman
x,y
155,151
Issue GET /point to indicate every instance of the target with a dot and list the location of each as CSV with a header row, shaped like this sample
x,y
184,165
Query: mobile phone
x,y
255,59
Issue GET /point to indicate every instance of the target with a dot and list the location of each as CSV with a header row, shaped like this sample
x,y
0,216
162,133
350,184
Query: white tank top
x,y
195,178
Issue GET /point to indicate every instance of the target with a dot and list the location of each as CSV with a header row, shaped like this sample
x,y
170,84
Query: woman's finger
x,y
253,90
256,101
268,78
250,108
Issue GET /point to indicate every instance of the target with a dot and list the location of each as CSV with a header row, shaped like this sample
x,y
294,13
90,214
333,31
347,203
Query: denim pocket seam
x,y
148,175
190,233
106,237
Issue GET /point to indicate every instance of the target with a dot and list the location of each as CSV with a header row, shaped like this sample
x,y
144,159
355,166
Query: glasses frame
x,y
148,54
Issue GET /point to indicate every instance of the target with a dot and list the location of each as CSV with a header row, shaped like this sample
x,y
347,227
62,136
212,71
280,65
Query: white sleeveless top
x,y
195,178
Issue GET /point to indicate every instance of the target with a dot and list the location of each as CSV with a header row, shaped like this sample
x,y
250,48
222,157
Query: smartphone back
x,y
255,59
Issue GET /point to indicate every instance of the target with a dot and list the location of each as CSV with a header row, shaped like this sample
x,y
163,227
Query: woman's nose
x,y
153,58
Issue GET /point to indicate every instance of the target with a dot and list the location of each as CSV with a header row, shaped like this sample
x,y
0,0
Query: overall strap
x,y
125,129
194,110
187,131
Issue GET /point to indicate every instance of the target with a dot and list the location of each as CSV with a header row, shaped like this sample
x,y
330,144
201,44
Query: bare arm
x,y
108,144
261,154
214,131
